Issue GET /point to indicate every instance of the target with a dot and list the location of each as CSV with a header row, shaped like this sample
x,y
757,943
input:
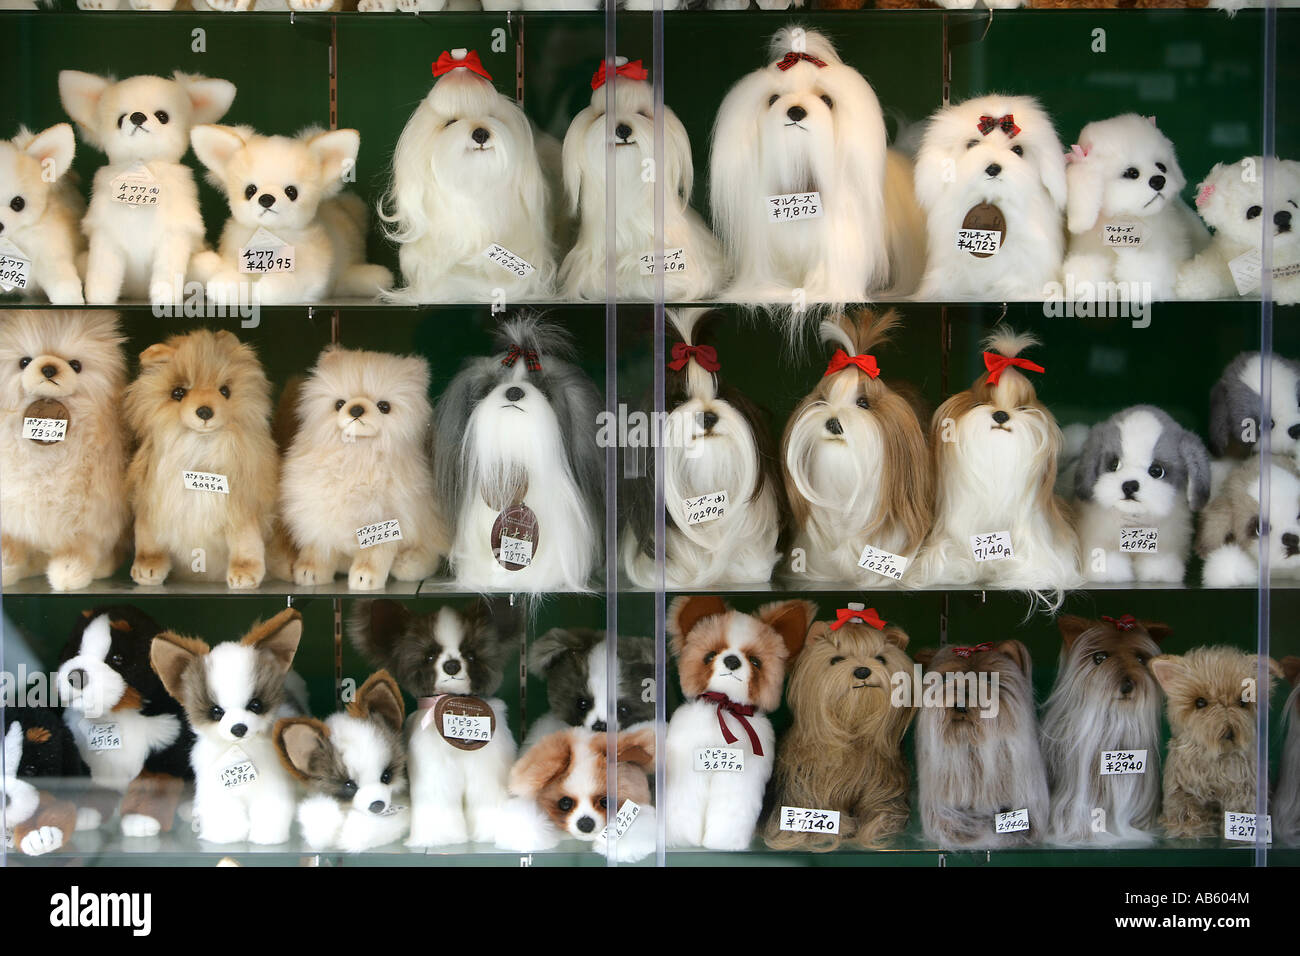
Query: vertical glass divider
x,y
657,359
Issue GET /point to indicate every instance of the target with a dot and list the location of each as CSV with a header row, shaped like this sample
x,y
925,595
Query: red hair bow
x,y
790,59
446,63
631,71
532,361
706,357
968,651
1124,623
867,616
997,364
1007,124
842,360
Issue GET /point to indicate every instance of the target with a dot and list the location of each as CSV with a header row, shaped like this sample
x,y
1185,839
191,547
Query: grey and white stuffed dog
x,y
1230,527
1235,407
1138,480
516,457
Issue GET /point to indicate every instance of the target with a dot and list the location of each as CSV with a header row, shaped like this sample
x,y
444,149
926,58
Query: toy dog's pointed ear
x,y
790,619
1291,669
53,149
337,151
686,612
1071,626
215,146
380,698
376,627
550,648
924,656
1197,462
547,759
1168,669
1018,652
298,741
170,655
156,354
637,747
1086,188
80,94
278,637
209,99
1157,629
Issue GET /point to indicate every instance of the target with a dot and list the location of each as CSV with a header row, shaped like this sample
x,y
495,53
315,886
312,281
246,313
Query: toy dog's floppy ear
x,y
790,619
337,151
924,656
547,759
298,740
278,637
156,354
170,655
1085,188
55,147
1223,428
1197,462
376,627
896,636
1071,626
686,612
1018,653
215,146
209,99
1291,669
637,747
552,646
80,94
571,158
380,698
1088,466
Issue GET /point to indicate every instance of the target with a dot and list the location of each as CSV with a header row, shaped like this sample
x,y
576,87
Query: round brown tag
x,y
514,537
466,735
987,218
47,408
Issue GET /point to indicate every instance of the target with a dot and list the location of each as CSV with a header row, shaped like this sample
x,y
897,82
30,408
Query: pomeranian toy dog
x,y
62,446
975,762
722,492
1210,768
856,466
360,459
354,768
1230,200
560,789
40,212
1286,794
1104,699
805,193
990,175
1235,405
232,694
1228,539
132,735
844,750
143,222
996,447
516,457
1139,470
203,479
693,258
468,202
459,745
575,665
731,667
291,189
1127,223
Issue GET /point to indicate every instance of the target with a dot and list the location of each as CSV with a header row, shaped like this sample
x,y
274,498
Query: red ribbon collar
x,y
965,652
867,616
842,360
706,357
446,63
997,364
741,712
631,71
1124,623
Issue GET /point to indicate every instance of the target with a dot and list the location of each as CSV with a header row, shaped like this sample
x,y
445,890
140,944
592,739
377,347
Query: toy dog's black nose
x,y
239,730
992,169
49,371
708,420
266,200
599,727
203,412
834,427
138,118
732,662
514,393
1294,431
1156,182
796,113
451,667
1001,417
586,824
862,673
622,131
378,806
1282,219
1126,686
77,678
356,411
480,135
1290,540
959,710
1129,488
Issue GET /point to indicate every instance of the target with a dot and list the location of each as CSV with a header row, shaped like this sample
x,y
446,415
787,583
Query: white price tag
x,y
1241,827
465,727
994,546
515,265
885,563
793,207
265,252
626,816
378,533
104,736
1245,270
45,429
1139,540
708,507
720,759
237,770
1123,233
1011,821
802,820
1120,762
15,267
205,481
9,838
984,241
674,262
516,550
137,187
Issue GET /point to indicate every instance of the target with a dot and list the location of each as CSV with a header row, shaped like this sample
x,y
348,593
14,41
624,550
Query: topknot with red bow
x,y
629,71
460,59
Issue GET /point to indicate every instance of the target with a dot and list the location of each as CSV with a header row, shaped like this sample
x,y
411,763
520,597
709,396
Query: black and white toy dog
x,y
1235,405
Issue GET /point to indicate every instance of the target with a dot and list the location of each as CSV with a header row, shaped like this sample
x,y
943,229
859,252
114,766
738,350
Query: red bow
x,y
706,357
867,616
446,63
740,712
790,59
1006,123
997,364
632,71
968,651
531,360
842,360
1125,623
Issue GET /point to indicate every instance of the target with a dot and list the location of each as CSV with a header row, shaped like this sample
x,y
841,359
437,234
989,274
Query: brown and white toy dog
x,y
844,751
732,667
1286,795
1210,768
1105,699
857,471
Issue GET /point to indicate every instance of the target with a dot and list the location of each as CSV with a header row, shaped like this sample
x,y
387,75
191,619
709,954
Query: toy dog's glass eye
x,y
1253,528
1201,702
162,116
225,391
565,804
836,660
75,366
119,120
178,393
339,404
384,407
255,706
604,803
115,659
468,655
1155,471
862,402
756,663
1244,702
1162,167
25,361
349,787
216,713
1131,173
881,658
1112,464
17,203
708,658
830,105
1253,212
1099,657
291,192
584,704
449,122
772,99
1018,150
386,776
1141,659
972,143
250,191
622,711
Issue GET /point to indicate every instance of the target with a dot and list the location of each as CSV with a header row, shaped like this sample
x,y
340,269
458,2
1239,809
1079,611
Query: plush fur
x,y
354,767
1228,539
972,766
233,693
292,187
456,795
804,129
1021,172
201,403
1105,698
505,434
1235,407
1230,199
141,251
1210,768
856,467
41,210
742,656
1128,172
466,174
1286,793
105,678
844,750
360,456
1139,469
64,504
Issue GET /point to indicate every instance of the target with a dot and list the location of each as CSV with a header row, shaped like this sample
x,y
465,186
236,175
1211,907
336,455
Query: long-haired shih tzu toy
x,y
722,492
516,457
857,470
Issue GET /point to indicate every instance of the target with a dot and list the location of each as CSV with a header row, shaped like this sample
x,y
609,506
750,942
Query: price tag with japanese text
x,y
1118,762
378,533
708,507
802,820
720,759
793,207
993,546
